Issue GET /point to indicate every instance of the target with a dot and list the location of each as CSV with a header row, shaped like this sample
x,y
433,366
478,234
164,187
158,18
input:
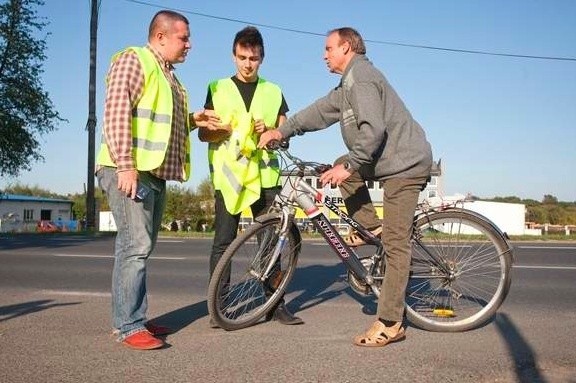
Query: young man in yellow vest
x,y
243,176
145,143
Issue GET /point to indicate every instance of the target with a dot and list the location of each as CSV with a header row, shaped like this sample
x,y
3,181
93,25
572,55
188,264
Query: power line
x,y
474,52
469,51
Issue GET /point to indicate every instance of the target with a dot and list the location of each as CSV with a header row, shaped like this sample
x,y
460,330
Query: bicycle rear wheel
x,y
238,295
460,271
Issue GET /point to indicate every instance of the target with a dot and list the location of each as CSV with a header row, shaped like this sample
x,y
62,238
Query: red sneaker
x,y
157,330
143,340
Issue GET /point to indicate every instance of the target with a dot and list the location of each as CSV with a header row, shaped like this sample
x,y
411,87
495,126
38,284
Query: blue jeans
x,y
138,224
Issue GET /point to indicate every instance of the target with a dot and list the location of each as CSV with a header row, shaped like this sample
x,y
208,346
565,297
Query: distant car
x,y
47,227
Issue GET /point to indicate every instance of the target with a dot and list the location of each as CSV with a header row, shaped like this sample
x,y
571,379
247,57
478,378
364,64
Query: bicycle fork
x,y
282,233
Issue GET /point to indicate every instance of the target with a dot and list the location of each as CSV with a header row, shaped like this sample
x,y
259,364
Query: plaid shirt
x,y
125,86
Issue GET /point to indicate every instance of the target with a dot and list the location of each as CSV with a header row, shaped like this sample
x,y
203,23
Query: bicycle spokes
x,y
459,273
252,274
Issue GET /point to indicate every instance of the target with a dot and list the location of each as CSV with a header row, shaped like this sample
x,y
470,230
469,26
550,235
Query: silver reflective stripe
x,y
271,163
148,145
150,115
231,179
243,160
237,152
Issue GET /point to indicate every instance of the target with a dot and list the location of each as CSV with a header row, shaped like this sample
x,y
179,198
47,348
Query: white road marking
x,y
75,293
546,247
111,256
545,267
83,255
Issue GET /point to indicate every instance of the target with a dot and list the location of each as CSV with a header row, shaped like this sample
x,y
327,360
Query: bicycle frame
x,y
297,192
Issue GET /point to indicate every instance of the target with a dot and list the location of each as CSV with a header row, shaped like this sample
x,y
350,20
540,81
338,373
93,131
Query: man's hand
x,y
335,175
267,136
128,182
204,118
213,130
259,126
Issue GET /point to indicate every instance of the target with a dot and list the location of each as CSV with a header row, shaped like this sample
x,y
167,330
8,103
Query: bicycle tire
x,y
465,289
237,298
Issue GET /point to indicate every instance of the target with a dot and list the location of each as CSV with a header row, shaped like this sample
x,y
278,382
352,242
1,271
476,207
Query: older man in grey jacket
x,y
385,144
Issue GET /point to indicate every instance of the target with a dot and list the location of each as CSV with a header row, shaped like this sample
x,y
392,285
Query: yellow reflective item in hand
x,y
242,140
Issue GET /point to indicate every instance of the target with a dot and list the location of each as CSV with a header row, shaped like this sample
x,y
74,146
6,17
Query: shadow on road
x,y
315,286
178,319
518,347
20,309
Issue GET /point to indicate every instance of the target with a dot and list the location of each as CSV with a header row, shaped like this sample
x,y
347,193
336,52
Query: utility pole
x,y
91,124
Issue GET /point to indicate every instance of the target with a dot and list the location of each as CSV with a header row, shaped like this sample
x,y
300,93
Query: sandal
x,y
354,240
379,335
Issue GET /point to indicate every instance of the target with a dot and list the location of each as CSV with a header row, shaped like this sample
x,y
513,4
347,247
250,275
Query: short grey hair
x,y
351,36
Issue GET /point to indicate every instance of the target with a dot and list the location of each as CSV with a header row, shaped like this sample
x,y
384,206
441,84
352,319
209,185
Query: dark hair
x,y
351,36
249,37
165,19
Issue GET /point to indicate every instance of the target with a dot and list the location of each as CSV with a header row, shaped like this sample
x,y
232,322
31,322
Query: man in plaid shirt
x,y
145,143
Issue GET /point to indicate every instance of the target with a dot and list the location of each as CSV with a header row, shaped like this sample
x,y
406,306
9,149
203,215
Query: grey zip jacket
x,y
383,139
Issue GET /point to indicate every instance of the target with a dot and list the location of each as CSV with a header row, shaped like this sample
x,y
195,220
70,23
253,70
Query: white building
x,y
22,213
509,217
106,221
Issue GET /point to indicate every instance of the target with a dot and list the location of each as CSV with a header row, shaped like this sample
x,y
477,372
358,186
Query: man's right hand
x,y
128,182
267,136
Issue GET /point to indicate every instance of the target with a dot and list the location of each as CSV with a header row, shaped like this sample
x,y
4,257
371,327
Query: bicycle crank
x,y
359,285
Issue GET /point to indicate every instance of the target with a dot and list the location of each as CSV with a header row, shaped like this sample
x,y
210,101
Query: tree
x,y
196,208
34,191
26,111
549,199
508,199
79,206
536,214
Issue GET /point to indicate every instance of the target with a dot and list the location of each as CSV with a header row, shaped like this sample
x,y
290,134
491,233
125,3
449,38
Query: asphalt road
x,y
55,326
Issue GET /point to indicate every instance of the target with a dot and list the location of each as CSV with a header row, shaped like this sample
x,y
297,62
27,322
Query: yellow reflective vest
x,y
151,119
237,168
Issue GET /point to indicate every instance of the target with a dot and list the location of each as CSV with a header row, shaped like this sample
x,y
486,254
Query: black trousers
x,y
226,224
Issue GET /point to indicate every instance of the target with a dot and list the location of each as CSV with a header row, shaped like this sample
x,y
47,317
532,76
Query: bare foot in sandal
x,y
380,335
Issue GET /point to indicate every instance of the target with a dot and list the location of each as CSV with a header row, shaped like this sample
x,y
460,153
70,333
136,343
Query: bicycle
x,y
460,271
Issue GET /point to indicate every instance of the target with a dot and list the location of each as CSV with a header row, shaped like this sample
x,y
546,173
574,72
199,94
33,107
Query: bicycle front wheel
x,y
240,293
460,271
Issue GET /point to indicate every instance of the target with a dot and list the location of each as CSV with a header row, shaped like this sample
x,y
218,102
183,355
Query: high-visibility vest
x,y
237,168
151,119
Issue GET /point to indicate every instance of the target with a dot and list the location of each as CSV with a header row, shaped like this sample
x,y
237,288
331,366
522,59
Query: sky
x,y
501,125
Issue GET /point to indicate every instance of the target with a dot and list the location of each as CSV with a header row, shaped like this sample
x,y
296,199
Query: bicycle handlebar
x,y
281,147
277,145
